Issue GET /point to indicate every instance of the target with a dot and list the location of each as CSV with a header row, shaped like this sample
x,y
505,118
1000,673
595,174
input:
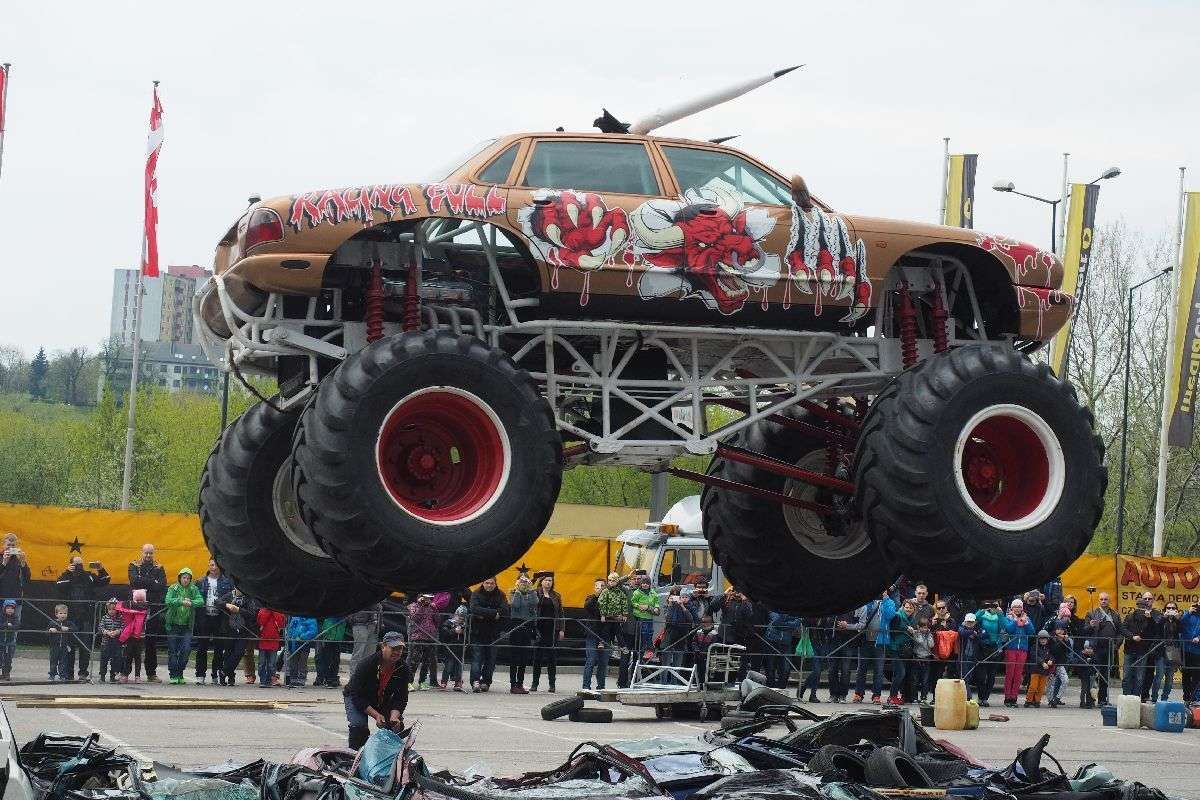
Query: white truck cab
x,y
673,552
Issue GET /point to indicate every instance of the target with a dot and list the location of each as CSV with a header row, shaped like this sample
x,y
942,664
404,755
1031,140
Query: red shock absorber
x,y
412,296
374,302
908,327
941,342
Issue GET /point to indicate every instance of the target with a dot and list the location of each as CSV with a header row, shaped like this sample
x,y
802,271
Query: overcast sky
x,y
274,98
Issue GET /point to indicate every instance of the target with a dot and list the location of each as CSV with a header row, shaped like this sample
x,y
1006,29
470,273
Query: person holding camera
x,y
1019,629
1170,654
14,574
77,588
1137,628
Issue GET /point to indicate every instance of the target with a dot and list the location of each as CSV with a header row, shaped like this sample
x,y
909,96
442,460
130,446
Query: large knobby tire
x,y
251,527
427,460
979,472
783,556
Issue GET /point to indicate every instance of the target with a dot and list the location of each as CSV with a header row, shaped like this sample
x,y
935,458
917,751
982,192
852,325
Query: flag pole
x,y
1066,196
941,220
1160,492
7,67
131,400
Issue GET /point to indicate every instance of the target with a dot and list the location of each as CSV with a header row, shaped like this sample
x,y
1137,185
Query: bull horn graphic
x,y
656,239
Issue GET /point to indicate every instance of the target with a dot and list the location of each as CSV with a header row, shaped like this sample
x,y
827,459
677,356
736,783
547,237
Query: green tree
x,y
37,374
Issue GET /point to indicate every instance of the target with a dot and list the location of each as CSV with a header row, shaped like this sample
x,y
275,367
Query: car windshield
x,y
450,165
633,556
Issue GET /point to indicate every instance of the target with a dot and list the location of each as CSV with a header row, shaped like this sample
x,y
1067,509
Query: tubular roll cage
x,y
758,372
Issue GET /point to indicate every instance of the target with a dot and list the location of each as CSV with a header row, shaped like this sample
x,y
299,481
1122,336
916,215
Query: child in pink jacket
x,y
134,616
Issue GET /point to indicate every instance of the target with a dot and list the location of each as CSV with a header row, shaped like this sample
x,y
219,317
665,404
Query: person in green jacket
x,y
645,604
329,652
182,601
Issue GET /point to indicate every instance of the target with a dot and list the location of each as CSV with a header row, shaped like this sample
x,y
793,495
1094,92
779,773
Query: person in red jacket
x,y
270,630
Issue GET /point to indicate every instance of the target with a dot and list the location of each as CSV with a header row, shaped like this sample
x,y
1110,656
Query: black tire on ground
x,y
979,472
833,757
892,768
942,768
783,556
252,530
765,696
561,708
427,460
591,715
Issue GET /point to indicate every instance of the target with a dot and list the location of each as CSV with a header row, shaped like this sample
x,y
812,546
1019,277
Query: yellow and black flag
x,y
1185,350
960,191
1080,220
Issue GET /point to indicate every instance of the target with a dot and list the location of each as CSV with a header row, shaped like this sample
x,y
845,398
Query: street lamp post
x,y
1125,404
1011,188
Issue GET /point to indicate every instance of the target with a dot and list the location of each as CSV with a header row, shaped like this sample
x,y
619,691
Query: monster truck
x,y
444,350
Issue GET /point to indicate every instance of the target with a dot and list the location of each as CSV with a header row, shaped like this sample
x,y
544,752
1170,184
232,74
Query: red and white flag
x,y
4,69
153,146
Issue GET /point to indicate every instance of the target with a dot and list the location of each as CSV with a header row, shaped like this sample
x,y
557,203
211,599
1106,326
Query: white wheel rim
x,y
1028,470
287,513
808,527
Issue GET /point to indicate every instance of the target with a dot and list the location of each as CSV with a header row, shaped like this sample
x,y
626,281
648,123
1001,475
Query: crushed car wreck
x,y
860,755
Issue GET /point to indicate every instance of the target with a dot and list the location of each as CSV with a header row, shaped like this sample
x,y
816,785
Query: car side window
x,y
704,169
497,171
618,167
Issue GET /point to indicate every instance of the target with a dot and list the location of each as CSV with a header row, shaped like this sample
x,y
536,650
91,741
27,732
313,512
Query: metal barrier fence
x,y
452,643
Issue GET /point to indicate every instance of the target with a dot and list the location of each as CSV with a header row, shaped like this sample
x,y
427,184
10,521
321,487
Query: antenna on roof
x,y
665,116
724,139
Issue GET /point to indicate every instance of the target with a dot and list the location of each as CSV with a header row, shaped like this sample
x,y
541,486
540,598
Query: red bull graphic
x,y
576,230
1027,262
707,245
356,203
822,262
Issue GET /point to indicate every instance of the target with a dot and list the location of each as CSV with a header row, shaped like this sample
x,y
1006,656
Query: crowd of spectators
x,y
903,640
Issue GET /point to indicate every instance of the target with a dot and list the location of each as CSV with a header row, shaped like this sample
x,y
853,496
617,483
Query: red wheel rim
x,y
443,455
1009,466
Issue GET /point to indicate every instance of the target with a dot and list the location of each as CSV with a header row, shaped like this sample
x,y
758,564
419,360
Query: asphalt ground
x,y
500,733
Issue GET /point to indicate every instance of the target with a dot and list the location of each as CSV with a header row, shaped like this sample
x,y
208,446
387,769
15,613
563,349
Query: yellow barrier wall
x,y
51,535
577,548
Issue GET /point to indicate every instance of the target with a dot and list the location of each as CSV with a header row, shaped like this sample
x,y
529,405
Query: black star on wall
x,y
76,546
523,570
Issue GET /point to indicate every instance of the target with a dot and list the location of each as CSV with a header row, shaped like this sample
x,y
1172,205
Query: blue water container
x,y
1108,714
1170,716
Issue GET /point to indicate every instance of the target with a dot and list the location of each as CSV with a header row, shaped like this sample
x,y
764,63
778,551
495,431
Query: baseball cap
x,y
394,639
969,618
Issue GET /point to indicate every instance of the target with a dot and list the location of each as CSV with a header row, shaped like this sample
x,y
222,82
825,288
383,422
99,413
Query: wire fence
x,y
445,645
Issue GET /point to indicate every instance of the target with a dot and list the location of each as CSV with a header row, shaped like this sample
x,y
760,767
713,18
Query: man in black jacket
x,y
147,574
77,587
488,609
378,690
1102,627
